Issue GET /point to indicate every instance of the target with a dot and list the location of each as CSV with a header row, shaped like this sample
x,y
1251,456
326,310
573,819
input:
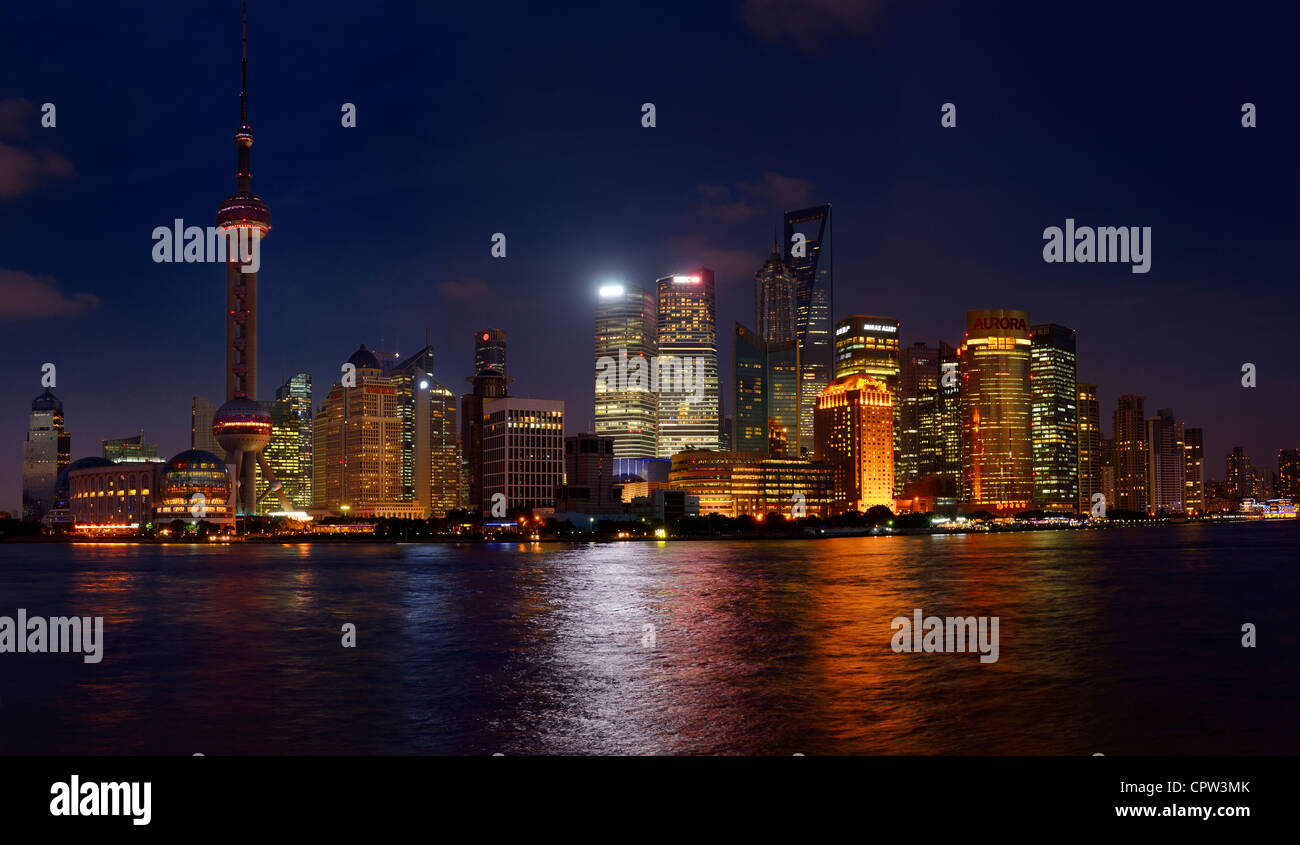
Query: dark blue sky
x,y
527,122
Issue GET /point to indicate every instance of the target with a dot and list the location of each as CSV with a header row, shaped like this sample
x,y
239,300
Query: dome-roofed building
x,y
195,487
100,496
364,359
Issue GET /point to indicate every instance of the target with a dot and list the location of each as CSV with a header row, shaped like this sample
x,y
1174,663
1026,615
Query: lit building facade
x,y
1131,455
1240,475
751,484
688,345
868,345
1166,464
854,434
766,380
194,486
809,257
1089,409
202,412
523,452
1288,472
431,463
1054,417
46,453
130,449
996,408
626,343
1193,469
358,441
490,382
289,451
774,299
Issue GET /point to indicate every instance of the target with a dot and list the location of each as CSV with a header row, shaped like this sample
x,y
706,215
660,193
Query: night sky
x,y
481,119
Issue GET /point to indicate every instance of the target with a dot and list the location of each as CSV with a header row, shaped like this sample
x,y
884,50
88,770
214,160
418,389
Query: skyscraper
x,y
46,453
1089,446
1288,471
766,379
202,412
289,451
774,298
130,450
854,433
358,441
430,454
688,357
626,410
490,382
1131,457
996,404
1054,418
490,352
523,452
1193,469
1166,464
949,413
868,345
809,257
1241,475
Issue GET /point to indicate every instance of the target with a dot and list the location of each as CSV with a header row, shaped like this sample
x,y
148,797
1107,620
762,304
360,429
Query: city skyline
x,y
1133,338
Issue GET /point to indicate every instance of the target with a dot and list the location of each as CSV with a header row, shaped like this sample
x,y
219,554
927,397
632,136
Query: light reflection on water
x,y
1123,641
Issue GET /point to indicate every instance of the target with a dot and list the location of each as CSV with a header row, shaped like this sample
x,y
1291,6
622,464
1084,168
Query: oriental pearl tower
x,y
242,426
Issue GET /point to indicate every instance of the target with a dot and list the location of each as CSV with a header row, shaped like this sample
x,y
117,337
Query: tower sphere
x,y
242,425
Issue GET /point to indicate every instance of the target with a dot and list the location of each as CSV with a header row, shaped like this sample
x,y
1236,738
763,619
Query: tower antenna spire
x,y
243,70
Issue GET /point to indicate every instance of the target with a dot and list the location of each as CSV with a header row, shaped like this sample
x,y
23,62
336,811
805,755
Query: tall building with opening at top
x,y
626,343
996,408
687,373
809,256
1054,417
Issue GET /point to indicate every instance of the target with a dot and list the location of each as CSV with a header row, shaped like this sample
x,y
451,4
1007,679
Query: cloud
x,y
24,168
465,289
17,117
24,296
812,22
721,204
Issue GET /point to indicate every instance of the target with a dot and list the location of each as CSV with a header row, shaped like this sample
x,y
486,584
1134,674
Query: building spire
x,y
243,69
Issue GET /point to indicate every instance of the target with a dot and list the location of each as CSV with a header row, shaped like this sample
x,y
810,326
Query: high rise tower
x,y
1055,417
242,426
809,258
626,342
996,403
46,453
688,358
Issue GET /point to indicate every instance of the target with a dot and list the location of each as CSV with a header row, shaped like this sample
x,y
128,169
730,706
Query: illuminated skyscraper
x,y
1166,463
490,352
996,403
46,453
1131,457
868,345
431,462
929,433
289,452
809,257
1089,446
1193,469
1241,475
949,412
688,363
854,432
626,410
766,379
1288,470
523,452
358,441
1055,417
202,412
774,298
490,382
